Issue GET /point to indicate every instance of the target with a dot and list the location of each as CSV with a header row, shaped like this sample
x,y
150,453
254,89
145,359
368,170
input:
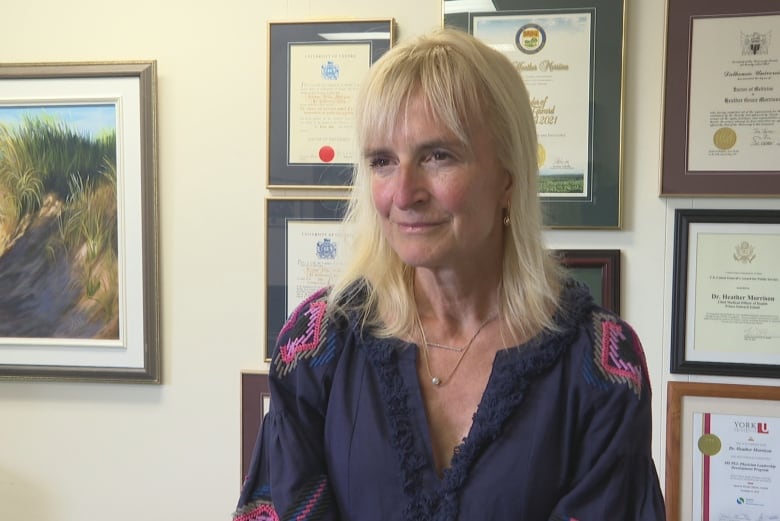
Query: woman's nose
x,y
411,185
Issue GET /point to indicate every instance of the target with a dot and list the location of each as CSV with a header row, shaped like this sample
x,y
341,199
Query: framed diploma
x,y
722,452
576,98
315,70
726,293
305,251
722,99
255,403
599,270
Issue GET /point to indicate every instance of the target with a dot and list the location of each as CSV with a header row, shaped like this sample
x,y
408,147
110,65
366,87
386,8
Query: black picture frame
x,y
601,205
379,34
280,214
697,290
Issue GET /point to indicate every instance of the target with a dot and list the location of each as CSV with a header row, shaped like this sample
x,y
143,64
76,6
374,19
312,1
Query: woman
x,y
453,372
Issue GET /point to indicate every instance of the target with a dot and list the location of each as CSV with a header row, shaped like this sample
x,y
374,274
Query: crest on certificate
x,y
326,249
530,38
755,43
744,252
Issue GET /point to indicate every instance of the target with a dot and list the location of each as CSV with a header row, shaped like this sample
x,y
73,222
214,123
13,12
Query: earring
x,y
506,216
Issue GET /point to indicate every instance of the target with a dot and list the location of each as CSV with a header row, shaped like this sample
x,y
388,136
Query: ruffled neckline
x,y
513,371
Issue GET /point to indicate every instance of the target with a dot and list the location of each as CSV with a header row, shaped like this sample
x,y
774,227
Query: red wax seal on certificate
x,y
327,154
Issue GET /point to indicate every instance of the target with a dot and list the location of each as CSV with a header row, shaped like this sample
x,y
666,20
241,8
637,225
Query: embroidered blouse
x,y
562,433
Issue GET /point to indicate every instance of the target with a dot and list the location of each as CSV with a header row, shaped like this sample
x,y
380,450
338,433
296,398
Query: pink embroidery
x,y
263,512
613,360
309,340
312,502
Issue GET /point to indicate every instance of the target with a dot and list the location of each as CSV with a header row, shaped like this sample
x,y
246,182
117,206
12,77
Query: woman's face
x,y
441,205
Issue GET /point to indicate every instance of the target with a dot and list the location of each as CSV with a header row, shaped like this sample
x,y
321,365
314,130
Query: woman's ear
x,y
508,186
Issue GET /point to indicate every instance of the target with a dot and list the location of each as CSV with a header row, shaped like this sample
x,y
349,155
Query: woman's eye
x,y
440,156
378,162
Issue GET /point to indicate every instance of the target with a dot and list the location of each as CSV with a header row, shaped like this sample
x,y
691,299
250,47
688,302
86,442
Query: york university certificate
x,y
736,467
734,94
553,54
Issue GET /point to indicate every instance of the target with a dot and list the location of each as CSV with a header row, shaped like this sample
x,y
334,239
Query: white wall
x,y
85,451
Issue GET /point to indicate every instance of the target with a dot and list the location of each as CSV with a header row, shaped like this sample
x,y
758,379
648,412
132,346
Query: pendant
x,y
435,380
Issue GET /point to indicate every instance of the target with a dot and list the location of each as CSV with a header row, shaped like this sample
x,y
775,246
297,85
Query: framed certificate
x,y
315,70
726,293
305,251
721,132
599,270
722,452
576,98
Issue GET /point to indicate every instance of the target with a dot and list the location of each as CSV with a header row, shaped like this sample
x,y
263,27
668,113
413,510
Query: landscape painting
x,y
59,269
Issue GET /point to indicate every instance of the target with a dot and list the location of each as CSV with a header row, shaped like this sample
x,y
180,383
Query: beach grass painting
x,y
59,270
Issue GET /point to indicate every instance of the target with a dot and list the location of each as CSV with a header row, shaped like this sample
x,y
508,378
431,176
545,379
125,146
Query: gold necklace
x,y
446,347
435,380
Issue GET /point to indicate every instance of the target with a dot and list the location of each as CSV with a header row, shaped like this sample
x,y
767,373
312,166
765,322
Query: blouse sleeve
x,y
288,478
615,476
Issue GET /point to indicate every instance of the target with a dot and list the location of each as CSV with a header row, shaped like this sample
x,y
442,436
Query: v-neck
x,y
430,496
428,493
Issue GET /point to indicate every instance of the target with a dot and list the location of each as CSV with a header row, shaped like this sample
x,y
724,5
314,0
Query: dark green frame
x,y
602,206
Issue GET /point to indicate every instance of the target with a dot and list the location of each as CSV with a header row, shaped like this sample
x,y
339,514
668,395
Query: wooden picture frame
x,y
80,290
600,270
692,477
717,86
255,402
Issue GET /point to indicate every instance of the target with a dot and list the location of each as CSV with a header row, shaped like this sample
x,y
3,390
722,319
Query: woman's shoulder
x,y
610,349
313,335
616,356
303,336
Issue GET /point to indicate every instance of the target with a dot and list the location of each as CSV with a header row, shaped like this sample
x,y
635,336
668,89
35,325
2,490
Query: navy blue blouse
x,y
563,431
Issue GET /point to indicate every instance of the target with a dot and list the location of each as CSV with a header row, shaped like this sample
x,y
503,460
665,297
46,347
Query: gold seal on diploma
x,y
541,154
709,444
724,138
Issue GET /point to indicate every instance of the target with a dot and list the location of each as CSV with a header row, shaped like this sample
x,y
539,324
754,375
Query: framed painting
x,y
721,130
722,447
79,287
315,70
305,247
599,270
726,293
576,99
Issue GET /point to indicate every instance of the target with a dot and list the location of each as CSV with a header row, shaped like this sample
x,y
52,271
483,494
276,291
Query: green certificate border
x,y
601,206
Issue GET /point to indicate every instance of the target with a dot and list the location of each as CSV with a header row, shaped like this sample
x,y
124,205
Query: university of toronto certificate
x,y
736,294
323,82
553,54
736,467
734,112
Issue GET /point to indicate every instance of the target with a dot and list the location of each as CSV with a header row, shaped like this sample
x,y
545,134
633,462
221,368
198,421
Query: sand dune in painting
x,y
58,233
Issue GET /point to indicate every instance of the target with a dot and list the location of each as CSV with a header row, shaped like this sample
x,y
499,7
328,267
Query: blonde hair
x,y
464,82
